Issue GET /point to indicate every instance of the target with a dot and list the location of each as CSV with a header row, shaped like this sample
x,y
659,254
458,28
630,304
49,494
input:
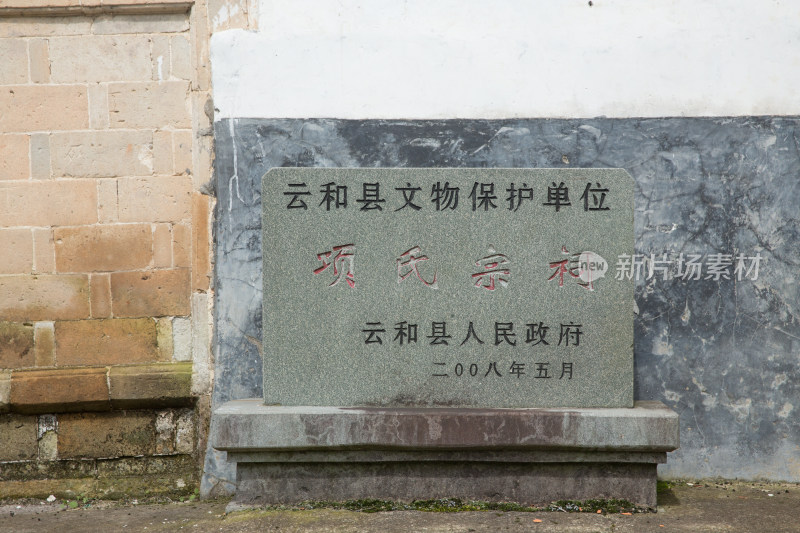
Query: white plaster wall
x,y
510,58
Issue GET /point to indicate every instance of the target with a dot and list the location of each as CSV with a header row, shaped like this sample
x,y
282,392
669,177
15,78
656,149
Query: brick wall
x,y
105,164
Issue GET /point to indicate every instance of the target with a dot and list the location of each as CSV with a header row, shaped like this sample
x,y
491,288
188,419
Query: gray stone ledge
x,y
483,456
250,426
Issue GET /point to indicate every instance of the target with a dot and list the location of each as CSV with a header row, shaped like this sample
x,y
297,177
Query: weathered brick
x,y
47,470
106,342
149,105
181,57
162,152
39,56
164,334
161,471
16,247
100,58
43,107
103,248
48,203
162,246
48,438
185,431
5,390
202,150
44,344
201,260
156,385
40,156
165,432
102,154
201,341
107,200
14,58
38,5
18,437
203,116
59,390
182,245
98,106
155,199
181,339
236,11
100,287
160,56
200,59
16,345
14,157
117,434
167,6
43,251
154,293
44,297
44,26
182,151
162,23
171,6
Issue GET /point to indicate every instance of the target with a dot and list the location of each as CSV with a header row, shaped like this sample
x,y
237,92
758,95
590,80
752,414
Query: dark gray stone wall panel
x,y
723,354
526,483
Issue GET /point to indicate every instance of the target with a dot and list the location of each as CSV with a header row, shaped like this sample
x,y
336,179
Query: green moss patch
x,y
455,505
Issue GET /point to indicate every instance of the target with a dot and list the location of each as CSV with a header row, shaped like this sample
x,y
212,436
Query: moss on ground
x,y
663,486
612,506
455,505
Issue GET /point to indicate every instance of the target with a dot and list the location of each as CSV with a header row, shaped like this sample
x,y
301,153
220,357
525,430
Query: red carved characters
x,y
495,271
342,262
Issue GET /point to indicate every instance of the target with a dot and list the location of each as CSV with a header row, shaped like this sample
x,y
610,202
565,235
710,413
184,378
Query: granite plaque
x,y
447,287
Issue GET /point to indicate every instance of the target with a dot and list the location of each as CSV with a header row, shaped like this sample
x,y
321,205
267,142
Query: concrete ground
x,y
684,507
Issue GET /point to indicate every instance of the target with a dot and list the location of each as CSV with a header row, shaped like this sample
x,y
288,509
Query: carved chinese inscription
x,y
457,287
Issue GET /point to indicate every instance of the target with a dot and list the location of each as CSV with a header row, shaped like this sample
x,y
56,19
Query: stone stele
x,y
447,287
420,344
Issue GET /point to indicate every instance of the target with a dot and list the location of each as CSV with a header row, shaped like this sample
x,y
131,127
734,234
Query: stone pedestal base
x,y
529,456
